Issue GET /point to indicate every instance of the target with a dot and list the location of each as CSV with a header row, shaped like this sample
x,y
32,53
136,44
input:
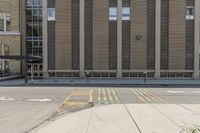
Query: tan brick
x,y
100,35
177,33
138,48
63,48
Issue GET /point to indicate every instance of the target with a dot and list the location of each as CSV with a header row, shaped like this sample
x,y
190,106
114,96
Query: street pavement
x,y
26,109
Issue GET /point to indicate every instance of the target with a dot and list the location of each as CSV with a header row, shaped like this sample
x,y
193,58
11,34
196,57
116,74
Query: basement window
x,y
190,13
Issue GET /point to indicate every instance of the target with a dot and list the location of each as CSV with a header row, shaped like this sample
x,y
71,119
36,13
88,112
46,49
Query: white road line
x,y
174,92
6,99
40,100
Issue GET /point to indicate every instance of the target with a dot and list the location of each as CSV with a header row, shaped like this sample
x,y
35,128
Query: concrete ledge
x,y
6,78
112,82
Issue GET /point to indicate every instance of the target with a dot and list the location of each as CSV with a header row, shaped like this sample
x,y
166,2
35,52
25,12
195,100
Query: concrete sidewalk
x,y
128,118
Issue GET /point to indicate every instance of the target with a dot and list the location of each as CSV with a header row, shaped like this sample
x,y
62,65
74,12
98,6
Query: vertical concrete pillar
x,y
5,25
82,38
157,38
119,38
44,34
196,39
3,53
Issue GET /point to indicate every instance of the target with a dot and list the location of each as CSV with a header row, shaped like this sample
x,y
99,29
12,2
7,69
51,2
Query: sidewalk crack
x,y
88,123
132,118
166,116
188,109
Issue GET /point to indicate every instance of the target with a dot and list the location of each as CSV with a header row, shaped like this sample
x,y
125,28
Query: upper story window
x,y
126,13
5,22
113,13
190,13
51,14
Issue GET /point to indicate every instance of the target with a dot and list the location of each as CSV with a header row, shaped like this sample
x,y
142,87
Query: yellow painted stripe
x,y
99,96
61,108
109,95
104,97
153,99
115,95
143,95
160,99
138,95
90,96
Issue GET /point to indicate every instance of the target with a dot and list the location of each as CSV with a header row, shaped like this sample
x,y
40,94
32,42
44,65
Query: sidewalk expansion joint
x,y
132,118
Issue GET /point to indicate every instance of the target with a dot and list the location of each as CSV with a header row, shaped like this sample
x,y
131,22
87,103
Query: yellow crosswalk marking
x,y
149,97
143,95
160,99
69,103
109,95
137,95
99,96
146,96
104,97
115,95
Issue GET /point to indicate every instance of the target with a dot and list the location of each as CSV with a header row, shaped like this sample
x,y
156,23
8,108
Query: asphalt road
x,y
24,108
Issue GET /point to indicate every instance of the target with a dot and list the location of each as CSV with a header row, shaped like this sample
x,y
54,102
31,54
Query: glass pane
x,y
1,21
190,13
126,13
112,13
51,14
8,22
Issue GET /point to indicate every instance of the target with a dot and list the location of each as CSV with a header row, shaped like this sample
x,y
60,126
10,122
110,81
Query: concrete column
x,y
196,39
3,53
119,38
45,37
82,38
5,25
157,38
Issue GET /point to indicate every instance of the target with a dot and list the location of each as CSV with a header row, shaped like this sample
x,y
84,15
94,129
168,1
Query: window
x,y
5,22
51,14
126,13
190,13
113,13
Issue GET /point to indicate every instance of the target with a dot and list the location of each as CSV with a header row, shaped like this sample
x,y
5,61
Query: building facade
x,y
10,36
121,38
112,38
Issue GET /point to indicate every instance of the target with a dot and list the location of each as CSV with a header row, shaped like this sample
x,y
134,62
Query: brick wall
x,y
63,48
100,35
138,24
177,33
